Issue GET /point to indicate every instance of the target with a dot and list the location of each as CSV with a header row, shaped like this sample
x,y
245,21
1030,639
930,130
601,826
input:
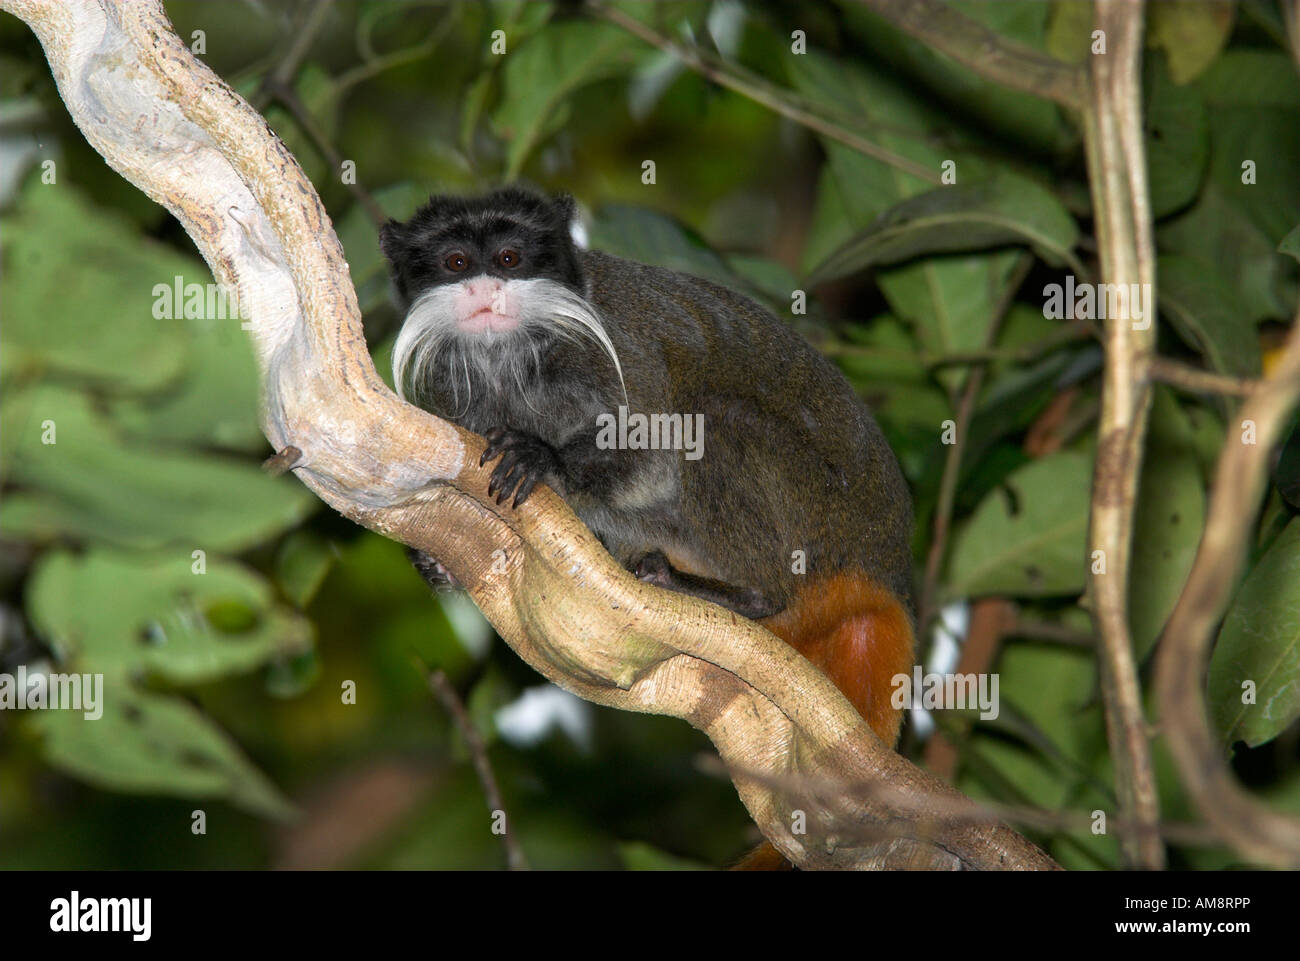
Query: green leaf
x,y
1268,139
1170,516
149,744
1031,124
1220,235
1260,642
653,238
214,405
544,71
93,483
966,216
1027,539
1251,77
1205,314
130,615
77,290
950,300
1191,33
1177,134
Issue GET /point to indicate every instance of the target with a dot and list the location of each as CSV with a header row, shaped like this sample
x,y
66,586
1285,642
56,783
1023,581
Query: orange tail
x,y
860,635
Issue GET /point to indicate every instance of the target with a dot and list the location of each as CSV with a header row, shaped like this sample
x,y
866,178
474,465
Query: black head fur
x,y
535,226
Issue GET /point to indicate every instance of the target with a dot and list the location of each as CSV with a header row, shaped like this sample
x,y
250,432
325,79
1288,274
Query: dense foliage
x,y
226,686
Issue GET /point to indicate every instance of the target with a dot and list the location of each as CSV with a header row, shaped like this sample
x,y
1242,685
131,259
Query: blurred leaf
x,y
214,405
1191,33
965,216
1264,141
1177,135
149,744
1260,642
93,483
129,615
541,74
1204,312
126,617
775,280
1170,516
78,295
1028,537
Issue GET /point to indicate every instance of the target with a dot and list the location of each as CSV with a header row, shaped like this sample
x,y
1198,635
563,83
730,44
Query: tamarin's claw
x,y
525,461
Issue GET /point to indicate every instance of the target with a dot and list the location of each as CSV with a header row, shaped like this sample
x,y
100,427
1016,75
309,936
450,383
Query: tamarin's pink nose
x,y
482,286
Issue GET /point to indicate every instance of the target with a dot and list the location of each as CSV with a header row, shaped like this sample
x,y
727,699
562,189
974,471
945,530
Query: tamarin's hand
x,y
784,504
525,461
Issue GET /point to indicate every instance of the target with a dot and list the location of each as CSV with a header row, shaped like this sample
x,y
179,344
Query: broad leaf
x,y
1259,643
1027,539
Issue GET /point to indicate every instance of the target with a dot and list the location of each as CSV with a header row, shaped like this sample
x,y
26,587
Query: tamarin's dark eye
x,y
457,262
508,258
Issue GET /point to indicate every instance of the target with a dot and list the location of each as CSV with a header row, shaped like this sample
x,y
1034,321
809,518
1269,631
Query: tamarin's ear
x,y
567,209
392,241
565,206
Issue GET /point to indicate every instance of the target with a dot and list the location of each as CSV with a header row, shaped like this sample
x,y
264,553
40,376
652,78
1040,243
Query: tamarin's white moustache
x,y
430,329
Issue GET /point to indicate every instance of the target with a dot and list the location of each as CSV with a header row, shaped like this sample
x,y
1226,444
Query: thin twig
x,y
451,702
788,104
1195,381
1051,632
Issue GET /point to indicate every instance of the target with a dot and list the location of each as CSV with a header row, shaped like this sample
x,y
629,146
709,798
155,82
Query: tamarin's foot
x,y
654,568
525,461
439,578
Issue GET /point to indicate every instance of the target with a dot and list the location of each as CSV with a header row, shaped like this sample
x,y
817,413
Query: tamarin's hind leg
x,y
654,568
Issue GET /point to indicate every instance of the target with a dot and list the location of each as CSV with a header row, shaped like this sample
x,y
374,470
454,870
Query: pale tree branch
x,y
1255,831
172,127
1117,174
